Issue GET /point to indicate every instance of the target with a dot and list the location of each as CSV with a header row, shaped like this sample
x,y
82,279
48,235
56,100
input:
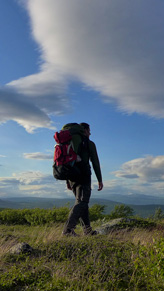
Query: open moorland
x,y
130,257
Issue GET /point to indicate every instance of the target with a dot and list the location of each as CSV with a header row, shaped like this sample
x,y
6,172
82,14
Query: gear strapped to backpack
x,y
66,156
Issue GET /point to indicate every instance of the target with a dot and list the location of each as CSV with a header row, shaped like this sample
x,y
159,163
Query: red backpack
x,y
64,152
65,166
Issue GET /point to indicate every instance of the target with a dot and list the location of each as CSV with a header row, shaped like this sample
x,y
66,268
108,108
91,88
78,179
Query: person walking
x,y
82,188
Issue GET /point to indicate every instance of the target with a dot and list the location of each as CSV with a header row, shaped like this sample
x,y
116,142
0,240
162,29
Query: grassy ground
x,y
122,260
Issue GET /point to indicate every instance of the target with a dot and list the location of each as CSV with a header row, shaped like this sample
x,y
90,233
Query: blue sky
x,y
99,62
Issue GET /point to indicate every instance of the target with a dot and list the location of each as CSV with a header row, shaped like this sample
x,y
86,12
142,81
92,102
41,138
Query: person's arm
x,y
96,164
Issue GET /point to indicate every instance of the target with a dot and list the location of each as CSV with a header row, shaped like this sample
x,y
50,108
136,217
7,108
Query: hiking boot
x,y
69,232
90,231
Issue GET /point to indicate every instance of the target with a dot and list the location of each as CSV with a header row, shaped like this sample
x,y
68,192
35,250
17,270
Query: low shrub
x,y
39,216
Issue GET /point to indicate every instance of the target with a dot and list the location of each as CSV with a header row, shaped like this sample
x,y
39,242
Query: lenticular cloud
x,y
114,47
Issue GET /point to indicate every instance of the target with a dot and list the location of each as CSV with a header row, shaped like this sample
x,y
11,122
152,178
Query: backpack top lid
x,y
74,128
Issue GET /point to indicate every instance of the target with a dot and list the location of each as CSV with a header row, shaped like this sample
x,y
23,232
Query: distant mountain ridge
x,y
135,199
8,204
37,202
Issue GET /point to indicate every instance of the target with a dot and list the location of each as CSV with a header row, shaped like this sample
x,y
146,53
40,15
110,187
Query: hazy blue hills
x,y
8,204
136,199
142,210
35,202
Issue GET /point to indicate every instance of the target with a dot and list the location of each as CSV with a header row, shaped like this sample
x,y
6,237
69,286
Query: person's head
x,y
86,127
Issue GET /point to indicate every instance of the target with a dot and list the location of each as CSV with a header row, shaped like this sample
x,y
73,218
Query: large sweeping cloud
x,y
114,47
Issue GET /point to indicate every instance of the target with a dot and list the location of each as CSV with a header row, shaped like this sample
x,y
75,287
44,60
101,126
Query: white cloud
x,y
142,176
46,89
32,183
115,47
33,177
14,106
38,156
32,105
148,170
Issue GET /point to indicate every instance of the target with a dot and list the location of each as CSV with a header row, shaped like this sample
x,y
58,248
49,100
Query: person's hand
x,y
68,185
100,186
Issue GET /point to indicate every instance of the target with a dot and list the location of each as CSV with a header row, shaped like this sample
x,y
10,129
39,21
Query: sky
x,y
100,62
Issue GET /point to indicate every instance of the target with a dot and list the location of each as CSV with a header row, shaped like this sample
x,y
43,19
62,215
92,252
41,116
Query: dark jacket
x,y
89,153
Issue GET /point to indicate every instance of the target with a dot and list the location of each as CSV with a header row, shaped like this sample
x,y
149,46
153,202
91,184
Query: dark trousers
x,y
80,209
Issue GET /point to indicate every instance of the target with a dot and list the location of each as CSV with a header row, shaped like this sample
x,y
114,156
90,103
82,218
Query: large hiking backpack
x,y
66,156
